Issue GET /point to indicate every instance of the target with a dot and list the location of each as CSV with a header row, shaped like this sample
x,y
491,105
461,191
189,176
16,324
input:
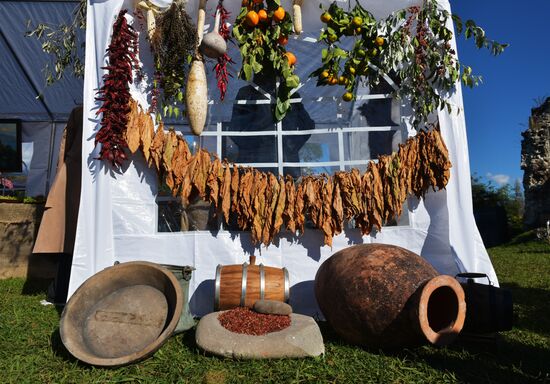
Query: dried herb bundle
x,y
115,94
263,203
173,43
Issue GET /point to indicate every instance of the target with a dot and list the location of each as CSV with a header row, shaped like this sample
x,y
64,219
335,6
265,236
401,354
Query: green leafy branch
x,y
262,45
61,41
412,46
470,30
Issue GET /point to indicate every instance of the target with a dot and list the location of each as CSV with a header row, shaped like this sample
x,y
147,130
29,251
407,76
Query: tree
x,y
487,195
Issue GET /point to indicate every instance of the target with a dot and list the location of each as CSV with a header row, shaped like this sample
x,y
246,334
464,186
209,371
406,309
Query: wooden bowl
x,y
122,314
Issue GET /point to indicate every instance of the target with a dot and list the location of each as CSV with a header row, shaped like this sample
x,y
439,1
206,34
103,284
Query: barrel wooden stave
x,y
229,285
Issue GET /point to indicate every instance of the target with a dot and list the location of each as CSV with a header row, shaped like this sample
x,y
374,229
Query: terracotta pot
x,y
385,296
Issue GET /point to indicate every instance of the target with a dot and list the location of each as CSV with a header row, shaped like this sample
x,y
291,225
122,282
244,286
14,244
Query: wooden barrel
x,y
241,285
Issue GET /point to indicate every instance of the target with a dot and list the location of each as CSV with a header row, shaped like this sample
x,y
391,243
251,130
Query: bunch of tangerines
x,y
257,16
342,66
261,30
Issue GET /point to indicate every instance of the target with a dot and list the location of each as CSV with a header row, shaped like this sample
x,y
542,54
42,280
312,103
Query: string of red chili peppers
x,y
222,74
114,94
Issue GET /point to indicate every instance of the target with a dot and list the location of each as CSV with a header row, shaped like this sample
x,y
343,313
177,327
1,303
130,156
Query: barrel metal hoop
x,y
262,282
243,284
217,287
287,285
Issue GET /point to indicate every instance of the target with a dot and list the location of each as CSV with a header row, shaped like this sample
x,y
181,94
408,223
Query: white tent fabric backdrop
x,y
118,212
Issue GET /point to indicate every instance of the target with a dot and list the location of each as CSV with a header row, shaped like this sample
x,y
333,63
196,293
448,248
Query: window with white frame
x,y
320,134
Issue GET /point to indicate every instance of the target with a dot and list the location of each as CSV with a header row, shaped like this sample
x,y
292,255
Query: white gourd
x,y
196,95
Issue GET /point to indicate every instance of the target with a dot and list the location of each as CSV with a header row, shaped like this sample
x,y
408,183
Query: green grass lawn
x,y
31,350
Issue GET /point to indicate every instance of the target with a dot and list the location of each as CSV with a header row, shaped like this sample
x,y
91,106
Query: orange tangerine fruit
x,y
262,14
291,58
252,18
279,14
283,40
326,17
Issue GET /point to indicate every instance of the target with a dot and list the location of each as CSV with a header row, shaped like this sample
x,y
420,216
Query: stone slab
x,y
301,339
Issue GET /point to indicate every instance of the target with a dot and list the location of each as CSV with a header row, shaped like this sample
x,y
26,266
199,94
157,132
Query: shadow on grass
x,y
187,338
531,308
504,361
36,286
60,351
491,360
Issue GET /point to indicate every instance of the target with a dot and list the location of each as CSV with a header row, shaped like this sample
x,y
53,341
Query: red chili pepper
x,y
115,94
221,68
243,320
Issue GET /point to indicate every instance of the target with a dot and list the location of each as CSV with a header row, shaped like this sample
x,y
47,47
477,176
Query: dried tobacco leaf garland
x,y
114,95
173,43
263,203
222,74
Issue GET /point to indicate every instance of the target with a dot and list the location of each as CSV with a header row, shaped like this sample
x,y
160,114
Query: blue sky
x,y
497,111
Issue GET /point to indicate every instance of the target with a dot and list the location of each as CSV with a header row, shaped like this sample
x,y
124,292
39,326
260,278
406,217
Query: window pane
x,y
250,149
370,145
10,147
310,148
307,171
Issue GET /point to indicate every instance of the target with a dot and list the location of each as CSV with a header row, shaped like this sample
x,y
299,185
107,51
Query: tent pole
x,y
53,130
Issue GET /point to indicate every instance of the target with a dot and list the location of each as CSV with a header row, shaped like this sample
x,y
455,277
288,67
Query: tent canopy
x,y
22,62
120,214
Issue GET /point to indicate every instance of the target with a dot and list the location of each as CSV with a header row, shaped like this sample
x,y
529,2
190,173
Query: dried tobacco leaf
x,y
244,200
133,127
350,201
327,225
170,145
309,186
288,213
441,154
200,172
377,199
146,133
212,181
271,195
225,190
299,217
179,165
235,182
337,209
258,206
186,185
280,208
157,147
